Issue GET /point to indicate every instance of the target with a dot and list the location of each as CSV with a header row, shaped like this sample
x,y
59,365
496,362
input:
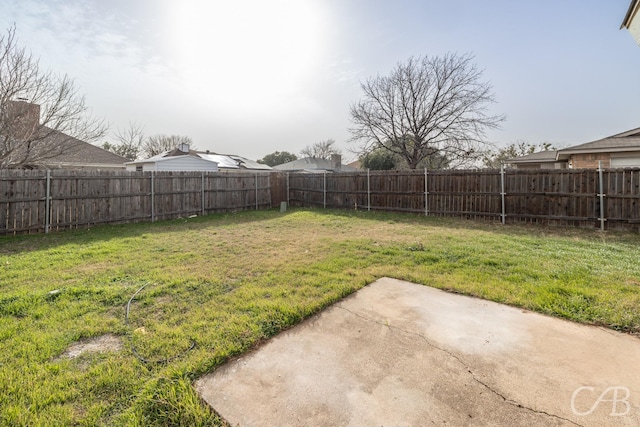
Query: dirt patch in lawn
x,y
102,344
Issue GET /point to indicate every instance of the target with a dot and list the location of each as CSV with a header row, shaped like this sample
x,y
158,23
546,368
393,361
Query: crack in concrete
x,y
461,362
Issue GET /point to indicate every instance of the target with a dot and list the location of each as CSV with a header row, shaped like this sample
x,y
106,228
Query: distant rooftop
x,y
313,164
224,161
539,157
625,141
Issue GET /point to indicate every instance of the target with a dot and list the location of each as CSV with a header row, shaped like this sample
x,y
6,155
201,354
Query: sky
x,y
250,77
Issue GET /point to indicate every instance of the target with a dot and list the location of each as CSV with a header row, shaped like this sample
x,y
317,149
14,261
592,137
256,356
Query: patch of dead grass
x,y
102,344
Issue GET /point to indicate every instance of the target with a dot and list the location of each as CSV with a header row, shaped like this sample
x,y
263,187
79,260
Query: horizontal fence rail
x,y
40,201
607,199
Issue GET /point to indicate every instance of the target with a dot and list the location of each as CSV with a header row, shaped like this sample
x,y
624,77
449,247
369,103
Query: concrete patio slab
x,y
401,354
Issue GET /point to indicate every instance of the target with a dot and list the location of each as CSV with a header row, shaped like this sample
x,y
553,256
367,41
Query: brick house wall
x,y
590,161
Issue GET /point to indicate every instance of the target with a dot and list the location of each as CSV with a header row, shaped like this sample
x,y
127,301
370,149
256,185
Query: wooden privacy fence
x,y
39,201
576,197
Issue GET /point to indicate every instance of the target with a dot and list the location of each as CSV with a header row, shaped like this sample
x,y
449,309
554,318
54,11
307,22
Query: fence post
x,y
601,195
256,190
502,193
368,190
153,205
202,201
288,202
324,190
47,204
426,194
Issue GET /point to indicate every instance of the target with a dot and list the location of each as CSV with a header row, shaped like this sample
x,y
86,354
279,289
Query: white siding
x,y
176,164
134,166
185,163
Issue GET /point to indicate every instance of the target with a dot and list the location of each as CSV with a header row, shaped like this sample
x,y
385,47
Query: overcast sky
x,y
250,77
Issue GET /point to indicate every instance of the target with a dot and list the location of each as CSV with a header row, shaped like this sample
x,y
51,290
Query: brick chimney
x,y
336,162
22,118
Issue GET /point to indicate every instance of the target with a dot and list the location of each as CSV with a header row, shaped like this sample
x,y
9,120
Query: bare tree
x,y
426,107
130,141
42,116
157,144
320,150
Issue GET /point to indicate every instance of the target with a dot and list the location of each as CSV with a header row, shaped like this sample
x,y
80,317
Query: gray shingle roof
x,y
312,164
539,157
82,152
625,141
53,148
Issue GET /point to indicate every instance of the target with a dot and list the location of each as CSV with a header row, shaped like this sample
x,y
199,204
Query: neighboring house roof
x,y
153,158
625,141
548,156
83,153
232,161
34,145
312,164
621,142
224,161
70,152
250,164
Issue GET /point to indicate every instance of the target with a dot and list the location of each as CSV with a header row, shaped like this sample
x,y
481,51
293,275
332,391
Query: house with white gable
x,y
183,158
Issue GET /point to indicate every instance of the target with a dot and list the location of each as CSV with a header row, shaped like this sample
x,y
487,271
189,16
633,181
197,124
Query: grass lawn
x,y
218,285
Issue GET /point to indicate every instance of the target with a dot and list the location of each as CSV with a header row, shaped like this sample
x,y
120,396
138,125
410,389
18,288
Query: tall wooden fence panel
x,y
621,197
567,196
22,200
399,191
81,199
279,182
575,197
39,201
307,189
471,194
